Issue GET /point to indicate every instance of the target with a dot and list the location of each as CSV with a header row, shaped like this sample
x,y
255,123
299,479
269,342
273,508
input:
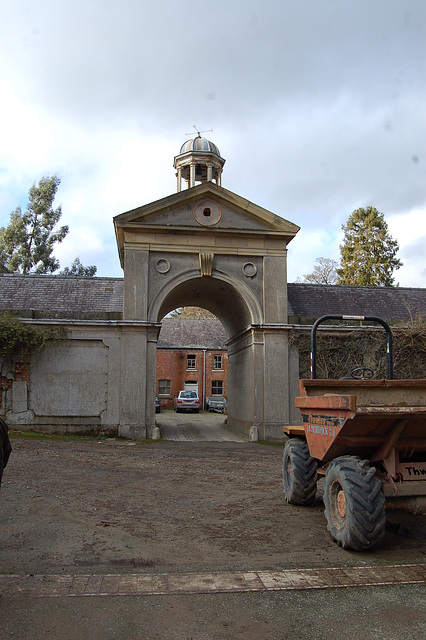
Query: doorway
x,y
191,385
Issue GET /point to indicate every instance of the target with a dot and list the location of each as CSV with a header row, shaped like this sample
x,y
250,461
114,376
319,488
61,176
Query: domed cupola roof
x,y
199,144
199,160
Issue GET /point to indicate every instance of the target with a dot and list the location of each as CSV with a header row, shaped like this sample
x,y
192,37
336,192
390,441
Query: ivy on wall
x,y
17,337
338,353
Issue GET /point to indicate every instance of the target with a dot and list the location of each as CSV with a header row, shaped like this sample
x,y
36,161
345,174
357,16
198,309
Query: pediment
x,y
205,207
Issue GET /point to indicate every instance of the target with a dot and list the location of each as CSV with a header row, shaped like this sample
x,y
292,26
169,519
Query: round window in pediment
x,y
207,213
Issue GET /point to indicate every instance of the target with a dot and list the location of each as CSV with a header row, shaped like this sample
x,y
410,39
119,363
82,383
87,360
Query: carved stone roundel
x,y
162,265
249,269
207,213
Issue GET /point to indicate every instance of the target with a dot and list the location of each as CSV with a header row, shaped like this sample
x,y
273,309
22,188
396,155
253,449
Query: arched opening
x,y
214,294
236,314
192,377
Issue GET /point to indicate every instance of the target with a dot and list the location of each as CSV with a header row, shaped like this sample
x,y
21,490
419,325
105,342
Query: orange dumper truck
x,y
366,436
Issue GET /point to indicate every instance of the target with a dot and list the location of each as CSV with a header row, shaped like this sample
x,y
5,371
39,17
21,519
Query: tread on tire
x,y
299,473
354,503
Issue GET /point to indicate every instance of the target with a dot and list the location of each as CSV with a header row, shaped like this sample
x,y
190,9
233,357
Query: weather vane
x,y
199,132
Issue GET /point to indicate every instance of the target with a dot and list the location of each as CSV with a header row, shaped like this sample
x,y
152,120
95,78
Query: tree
x,y
324,272
192,312
78,269
27,243
368,251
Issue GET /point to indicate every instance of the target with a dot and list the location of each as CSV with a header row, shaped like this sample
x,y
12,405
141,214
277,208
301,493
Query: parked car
x,y
216,403
187,401
157,405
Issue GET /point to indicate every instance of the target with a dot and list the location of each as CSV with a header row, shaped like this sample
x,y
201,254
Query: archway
x,y
236,309
235,312
210,248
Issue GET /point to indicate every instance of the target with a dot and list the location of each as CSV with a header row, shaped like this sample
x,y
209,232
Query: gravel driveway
x,y
106,510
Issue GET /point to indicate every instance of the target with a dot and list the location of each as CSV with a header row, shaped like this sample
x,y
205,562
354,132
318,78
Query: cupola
x,y
199,160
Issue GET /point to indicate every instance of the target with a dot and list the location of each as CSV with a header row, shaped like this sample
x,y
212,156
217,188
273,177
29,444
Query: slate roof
x,y
307,302
74,297
35,296
188,333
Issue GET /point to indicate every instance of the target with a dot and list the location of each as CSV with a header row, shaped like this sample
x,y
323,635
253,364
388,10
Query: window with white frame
x,y
190,361
164,387
217,361
217,388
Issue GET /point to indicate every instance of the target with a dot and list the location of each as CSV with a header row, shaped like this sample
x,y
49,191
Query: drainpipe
x,y
204,378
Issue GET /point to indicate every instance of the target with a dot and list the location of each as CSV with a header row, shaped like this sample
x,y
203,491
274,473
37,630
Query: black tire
x,y
299,473
354,503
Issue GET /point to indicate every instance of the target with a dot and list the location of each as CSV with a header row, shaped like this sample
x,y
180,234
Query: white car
x,y
187,401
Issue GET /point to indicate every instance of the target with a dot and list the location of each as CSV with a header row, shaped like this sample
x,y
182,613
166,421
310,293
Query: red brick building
x,y
191,354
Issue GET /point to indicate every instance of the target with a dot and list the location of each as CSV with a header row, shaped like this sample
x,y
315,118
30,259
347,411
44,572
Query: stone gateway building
x,y
203,246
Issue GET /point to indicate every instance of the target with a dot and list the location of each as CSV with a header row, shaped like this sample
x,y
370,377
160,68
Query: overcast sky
x,y
318,106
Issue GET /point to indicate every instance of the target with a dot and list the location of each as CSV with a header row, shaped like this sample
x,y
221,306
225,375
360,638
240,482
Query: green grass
x,y
70,437
33,435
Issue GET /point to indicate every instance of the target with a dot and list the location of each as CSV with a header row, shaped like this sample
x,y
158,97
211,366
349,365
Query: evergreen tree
x,y
27,243
368,253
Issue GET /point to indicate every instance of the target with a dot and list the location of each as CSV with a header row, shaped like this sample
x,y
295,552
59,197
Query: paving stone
x,y
209,582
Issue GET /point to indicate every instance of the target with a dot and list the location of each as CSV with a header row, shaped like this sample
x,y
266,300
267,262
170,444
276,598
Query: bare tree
x,y
192,312
325,272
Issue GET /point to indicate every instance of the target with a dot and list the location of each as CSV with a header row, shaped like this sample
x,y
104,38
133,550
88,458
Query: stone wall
x,y
71,386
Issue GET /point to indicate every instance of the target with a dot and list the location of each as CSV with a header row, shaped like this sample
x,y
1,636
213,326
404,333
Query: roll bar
x,y
368,318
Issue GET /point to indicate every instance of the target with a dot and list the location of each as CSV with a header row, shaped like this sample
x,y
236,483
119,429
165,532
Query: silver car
x,y
216,403
187,401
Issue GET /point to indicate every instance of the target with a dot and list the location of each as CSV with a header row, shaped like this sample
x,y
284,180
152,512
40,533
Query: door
x,y
191,385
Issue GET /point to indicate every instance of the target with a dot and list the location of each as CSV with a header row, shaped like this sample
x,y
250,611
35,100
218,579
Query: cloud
x,y
318,109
